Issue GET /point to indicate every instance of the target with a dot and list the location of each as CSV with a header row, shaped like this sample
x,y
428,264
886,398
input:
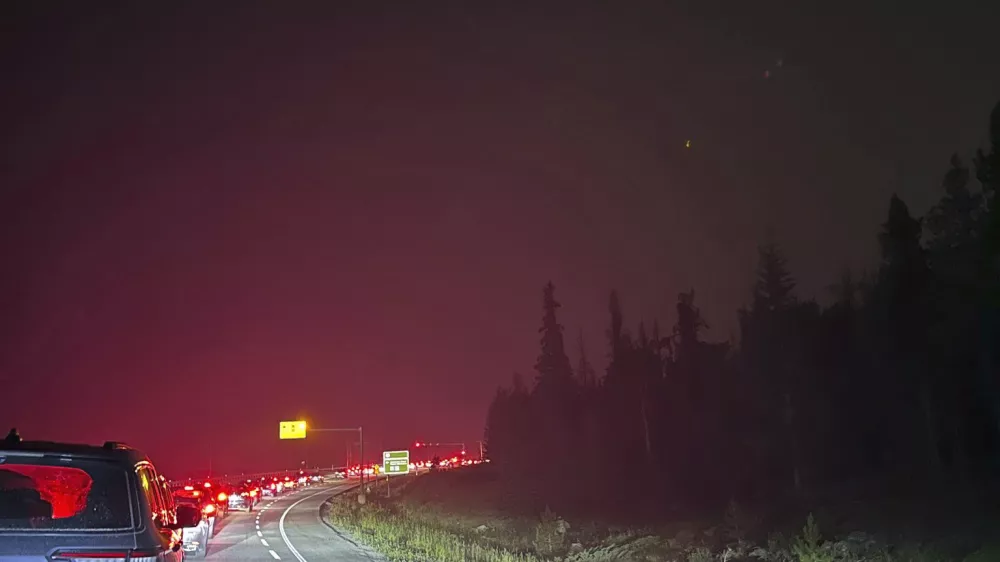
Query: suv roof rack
x,y
114,445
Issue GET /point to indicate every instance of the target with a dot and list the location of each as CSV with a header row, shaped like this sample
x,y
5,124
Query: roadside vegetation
x,y
453,516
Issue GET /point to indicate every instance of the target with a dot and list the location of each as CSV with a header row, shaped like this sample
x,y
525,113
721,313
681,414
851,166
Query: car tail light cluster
x,y
105,555
209,509
222,496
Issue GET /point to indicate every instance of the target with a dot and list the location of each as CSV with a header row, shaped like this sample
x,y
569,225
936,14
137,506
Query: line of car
x,y
216,498
68,502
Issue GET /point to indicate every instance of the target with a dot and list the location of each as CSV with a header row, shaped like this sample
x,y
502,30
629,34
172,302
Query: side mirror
x,y
188,516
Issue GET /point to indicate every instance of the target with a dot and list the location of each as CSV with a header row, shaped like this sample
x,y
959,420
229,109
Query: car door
x,y
163,513
173,538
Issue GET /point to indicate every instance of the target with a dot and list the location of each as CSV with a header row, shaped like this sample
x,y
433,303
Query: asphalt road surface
x,y
286,528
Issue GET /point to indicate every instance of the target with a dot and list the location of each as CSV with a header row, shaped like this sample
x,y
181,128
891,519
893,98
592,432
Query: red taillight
x,y
109,555
222,496
188,488
208,484
209,509
253,493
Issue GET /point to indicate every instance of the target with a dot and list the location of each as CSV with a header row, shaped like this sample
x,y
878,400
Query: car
x,y
196,538
204,503
70,501
220,495
272,487
244,496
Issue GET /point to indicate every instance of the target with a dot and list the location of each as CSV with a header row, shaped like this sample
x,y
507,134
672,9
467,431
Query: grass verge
x,y
435,518
391,529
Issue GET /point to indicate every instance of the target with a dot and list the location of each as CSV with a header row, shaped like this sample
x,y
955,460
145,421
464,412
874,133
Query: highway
x,y
286,528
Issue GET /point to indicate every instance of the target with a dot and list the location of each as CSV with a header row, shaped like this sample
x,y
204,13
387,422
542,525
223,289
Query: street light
x,y
300,433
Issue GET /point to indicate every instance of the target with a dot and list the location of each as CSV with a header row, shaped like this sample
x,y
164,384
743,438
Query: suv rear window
x,y
43,493
187,500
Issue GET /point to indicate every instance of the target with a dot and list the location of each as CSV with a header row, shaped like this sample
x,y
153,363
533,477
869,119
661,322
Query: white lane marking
x,y
264,542
274,555
281,524
259,534
258,527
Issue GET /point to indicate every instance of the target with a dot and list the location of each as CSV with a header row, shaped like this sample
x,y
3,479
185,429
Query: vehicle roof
x,y
109,451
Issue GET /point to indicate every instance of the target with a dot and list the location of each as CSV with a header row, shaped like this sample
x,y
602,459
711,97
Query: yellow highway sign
x,y
292,429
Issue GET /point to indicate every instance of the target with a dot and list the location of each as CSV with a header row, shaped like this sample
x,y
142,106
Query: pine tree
x,y
584,370
773,356
953,256
555,399
497,437
903,276
553,365
903,284
988,173
615,335
775,285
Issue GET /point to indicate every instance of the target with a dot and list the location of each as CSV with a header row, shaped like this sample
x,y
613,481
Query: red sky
x,y
214,221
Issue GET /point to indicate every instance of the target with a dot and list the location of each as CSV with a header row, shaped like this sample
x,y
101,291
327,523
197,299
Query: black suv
x,y
62,502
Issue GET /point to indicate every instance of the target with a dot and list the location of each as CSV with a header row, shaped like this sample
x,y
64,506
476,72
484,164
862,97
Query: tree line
x,y
898,376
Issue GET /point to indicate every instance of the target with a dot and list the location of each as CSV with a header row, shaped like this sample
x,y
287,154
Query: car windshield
x,y
49,494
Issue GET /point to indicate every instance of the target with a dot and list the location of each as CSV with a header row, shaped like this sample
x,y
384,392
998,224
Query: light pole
x,y
361,438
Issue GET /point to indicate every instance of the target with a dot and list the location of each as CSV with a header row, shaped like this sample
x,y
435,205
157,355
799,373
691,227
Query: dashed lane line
x,y
281,524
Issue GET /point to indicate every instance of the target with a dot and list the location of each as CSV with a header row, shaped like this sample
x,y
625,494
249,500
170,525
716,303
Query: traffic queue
x,y
84,502
53,493
215,498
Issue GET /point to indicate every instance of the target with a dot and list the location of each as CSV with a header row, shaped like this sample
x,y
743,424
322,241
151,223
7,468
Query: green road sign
x,y
395,462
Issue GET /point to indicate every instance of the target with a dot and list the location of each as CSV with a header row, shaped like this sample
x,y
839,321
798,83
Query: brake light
x,y
209,509
106,555
222,496
196,493
188,488
208,484
253,493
